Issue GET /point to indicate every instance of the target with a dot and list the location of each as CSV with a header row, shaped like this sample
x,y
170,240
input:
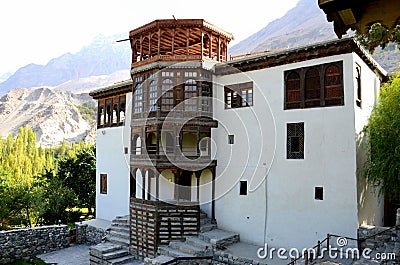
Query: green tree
x,y
79,174
51,201
379,35
383,132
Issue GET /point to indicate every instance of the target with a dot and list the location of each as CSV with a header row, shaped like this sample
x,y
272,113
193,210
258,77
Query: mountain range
x,y
103,56
48,96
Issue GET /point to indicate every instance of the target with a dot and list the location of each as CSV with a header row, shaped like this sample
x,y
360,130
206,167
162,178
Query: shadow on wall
x,y
370,202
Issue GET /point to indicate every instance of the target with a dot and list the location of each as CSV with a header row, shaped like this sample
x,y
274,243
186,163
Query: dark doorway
x,y
184,185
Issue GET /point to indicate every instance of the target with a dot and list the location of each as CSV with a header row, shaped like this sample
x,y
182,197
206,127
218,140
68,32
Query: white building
x,y
270,145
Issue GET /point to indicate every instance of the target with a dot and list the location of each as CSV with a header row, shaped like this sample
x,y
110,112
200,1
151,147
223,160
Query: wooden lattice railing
x,y
155,223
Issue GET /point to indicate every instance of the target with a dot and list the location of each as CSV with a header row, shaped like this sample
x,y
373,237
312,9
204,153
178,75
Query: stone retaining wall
x,y
29,242
87,234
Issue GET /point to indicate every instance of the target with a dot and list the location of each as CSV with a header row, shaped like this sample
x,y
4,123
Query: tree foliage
x,y
383,132
379,35
78,173
41,185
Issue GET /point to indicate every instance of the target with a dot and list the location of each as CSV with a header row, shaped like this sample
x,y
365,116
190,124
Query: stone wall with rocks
x,y
88,234
29,242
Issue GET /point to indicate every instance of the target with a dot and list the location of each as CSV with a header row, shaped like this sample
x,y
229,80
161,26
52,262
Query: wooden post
x,y
141,47
198,174
292,263
158,139
187,41
157,185
306,257
133,184
143,184
213,196
319,249
159,42
176,186
149,185
198,141
202,42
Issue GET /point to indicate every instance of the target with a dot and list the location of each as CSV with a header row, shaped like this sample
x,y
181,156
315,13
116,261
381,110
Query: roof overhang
x,y
359,15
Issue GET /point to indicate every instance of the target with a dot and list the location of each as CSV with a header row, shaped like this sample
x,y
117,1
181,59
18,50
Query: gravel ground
x,y
78,254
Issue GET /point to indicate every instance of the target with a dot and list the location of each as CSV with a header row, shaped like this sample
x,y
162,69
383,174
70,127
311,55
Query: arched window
x,y
312,88
122,112
108,114
293,95
151,143
190,92
153,95
100,119
333,86
137,145
115,114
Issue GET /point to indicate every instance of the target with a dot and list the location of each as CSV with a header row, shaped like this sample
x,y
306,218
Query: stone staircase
x,y
209,240
115,250
120,233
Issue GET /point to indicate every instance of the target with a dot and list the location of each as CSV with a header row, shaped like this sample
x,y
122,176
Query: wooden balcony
x,y
168,160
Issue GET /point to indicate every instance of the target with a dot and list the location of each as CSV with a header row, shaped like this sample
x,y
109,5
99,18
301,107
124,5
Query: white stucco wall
x,y
370,204
112,160
285,212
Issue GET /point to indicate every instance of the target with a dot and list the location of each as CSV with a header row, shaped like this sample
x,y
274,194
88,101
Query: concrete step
x,y
168,251
186,248
103,248
118,240
219,238
119,234
207,227
159,260
122,260
120,220
121,229
116,254
197,242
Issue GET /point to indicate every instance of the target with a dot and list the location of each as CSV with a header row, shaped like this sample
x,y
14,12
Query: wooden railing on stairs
x,y
155,223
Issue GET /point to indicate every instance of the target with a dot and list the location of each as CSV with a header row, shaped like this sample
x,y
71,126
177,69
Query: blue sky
x,y
37,31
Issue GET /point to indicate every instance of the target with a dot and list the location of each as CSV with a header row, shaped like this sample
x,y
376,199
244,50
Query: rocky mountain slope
x,y
87,84
103,56
301,25
304,24
51,113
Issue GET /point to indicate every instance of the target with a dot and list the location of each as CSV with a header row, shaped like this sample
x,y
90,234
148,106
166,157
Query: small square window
x,y
243,187
126,150
319,193
103,183
231,139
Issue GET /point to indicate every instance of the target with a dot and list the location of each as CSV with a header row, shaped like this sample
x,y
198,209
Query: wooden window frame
x,y
325,82
233,95
295,131
103,183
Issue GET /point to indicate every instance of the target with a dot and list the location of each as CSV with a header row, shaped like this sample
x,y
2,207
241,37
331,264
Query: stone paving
x,y
78,254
